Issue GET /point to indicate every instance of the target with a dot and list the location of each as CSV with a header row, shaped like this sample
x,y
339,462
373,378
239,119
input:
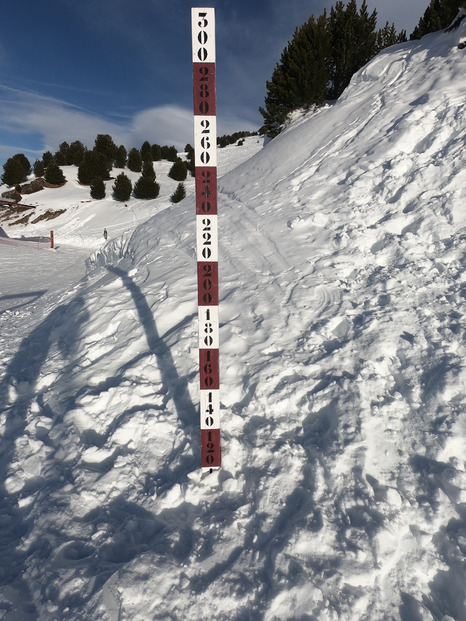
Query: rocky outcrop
x,y
34,186
12,195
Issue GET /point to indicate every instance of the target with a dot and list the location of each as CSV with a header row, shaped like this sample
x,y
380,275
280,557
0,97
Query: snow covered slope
x,y
342,494
83,221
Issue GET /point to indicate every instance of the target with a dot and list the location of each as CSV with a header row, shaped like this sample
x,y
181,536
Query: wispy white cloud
x,y
26,112
165,125
8,150
51,121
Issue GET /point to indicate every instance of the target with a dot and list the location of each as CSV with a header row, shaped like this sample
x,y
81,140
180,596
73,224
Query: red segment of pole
x,y
51,240
210,441
206,190
204,94
207,283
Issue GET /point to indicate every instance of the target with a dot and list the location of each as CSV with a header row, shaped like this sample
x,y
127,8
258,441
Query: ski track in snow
x,y
343,300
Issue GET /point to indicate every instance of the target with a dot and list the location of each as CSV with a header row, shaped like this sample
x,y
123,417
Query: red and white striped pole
x,y
205,160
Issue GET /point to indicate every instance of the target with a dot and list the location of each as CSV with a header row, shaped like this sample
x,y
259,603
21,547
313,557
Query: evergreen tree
x,y
16,169
169,153
54,174
39,168
146,152
178,194
76,153
178,171
353,39
98,188
148,170
438,15
223,141
24,163
388,36
134,160
94,164
191,166
122,188
59,159
156,153
189,150
300,78
320,60
104,144
146,188
62,155
47,158
121,157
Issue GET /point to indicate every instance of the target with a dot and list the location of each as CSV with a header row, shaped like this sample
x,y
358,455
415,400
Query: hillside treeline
x,y
325,52
95,166
438,15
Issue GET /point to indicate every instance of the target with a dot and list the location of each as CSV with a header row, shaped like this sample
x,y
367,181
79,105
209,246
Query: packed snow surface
x,y
342,491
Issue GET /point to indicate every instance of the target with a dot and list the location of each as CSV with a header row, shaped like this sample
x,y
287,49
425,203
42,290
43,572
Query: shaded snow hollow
x,y
342,494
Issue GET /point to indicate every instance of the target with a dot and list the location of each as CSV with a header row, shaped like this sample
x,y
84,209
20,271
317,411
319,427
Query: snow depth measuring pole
x,y
205,160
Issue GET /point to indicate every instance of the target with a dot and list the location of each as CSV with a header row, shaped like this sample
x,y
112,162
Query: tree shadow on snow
x,y
176,386
18,390
28,298
448,587
129,529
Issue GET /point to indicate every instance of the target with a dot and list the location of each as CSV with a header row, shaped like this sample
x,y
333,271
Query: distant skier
x,y
105,234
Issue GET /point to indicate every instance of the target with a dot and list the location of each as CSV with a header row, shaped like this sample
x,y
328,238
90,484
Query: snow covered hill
x,y
342,494
84,219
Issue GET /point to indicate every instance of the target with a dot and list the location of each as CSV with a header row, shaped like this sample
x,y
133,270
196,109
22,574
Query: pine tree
x,y
353,39
156,153
94,164
134,160
321,59
121,157
76,153
54,174
191,165
47,158
178,171
178,194
438,15
104,144
38,168
16,169
146,152
388,36
24,163
122,188
62,155
148,170
169,153
59,159
146,188
300,78
98,188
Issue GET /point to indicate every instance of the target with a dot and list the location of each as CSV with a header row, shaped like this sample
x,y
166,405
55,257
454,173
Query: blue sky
x,y
71,69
